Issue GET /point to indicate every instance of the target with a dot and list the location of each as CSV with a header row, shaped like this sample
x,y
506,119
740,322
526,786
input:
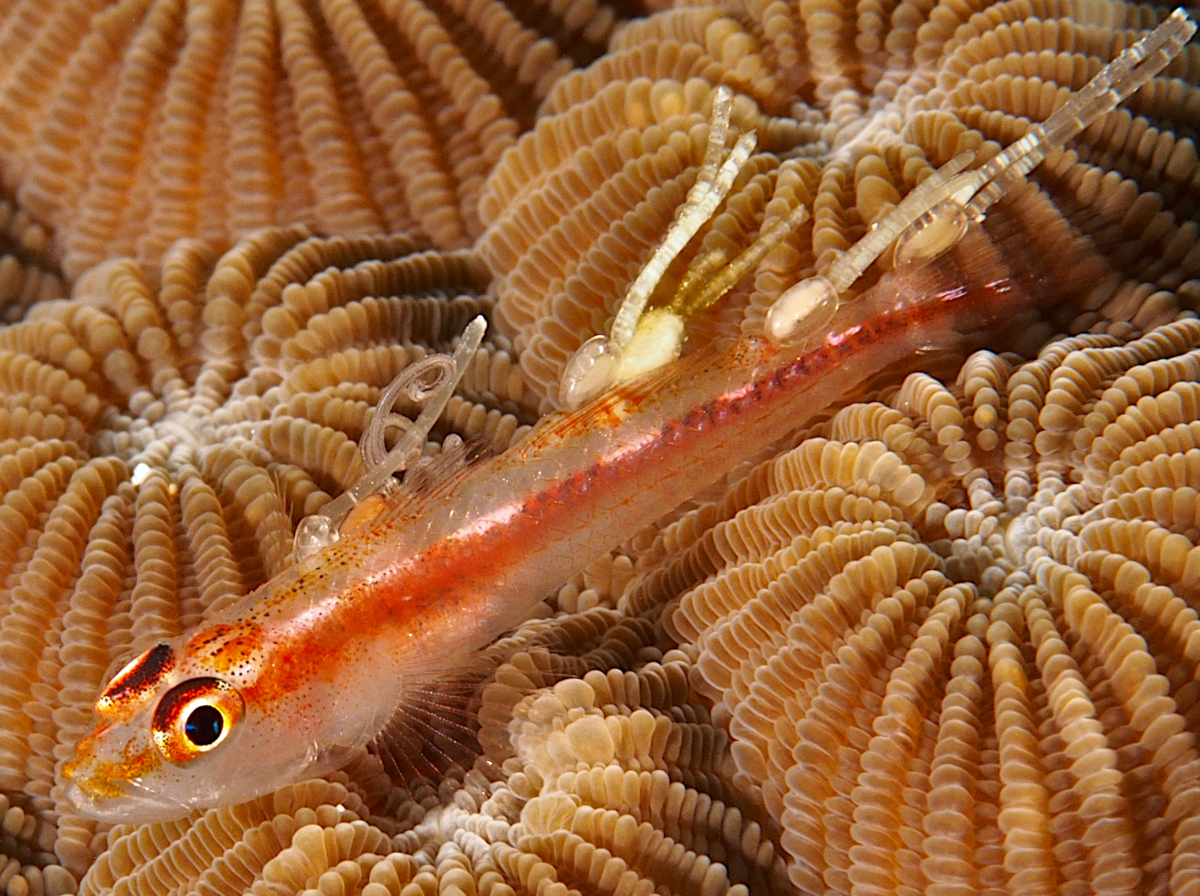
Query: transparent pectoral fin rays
x,y
934,216
429,382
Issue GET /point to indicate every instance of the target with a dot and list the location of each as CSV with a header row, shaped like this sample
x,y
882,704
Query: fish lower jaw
x,y
131,806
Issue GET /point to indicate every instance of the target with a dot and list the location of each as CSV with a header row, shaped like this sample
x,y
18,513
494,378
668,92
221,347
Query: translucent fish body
x,y
321,657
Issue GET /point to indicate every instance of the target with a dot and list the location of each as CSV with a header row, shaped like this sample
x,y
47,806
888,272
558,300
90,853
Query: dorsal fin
x,y
456,458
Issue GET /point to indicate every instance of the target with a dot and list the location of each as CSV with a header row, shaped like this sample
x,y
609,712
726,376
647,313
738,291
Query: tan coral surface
x,y
948,640
607,783
986,586
574,209
953,634
28,272
131,123
162,433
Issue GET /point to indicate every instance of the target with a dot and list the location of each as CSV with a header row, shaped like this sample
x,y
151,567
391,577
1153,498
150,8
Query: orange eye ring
x,y
195,717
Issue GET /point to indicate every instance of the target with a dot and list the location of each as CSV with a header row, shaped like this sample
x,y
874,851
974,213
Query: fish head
x,y
177,729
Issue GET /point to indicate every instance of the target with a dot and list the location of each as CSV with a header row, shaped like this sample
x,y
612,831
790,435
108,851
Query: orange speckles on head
x,y
71,769
289,675
84,751
101,783
138,762
238,654
100,788
227,649
206,637
314,647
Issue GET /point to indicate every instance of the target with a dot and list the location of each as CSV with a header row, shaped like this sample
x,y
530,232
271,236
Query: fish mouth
x,y
132,805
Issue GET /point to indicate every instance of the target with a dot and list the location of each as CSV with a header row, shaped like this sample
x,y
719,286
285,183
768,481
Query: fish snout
x,y
106,781
120,802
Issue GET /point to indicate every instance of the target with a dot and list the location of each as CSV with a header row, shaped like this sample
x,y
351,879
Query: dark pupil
x,y
203,726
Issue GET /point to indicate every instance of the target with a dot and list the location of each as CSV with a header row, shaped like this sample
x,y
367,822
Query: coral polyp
x,y
939,641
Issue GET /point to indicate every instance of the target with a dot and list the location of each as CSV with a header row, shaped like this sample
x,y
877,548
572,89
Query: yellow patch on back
x,y
365,511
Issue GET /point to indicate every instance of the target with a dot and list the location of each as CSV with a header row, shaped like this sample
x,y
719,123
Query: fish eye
x,y
195,717
204,725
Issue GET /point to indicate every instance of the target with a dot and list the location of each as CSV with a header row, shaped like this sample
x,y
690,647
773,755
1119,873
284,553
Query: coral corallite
x,y
943,641
953,634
